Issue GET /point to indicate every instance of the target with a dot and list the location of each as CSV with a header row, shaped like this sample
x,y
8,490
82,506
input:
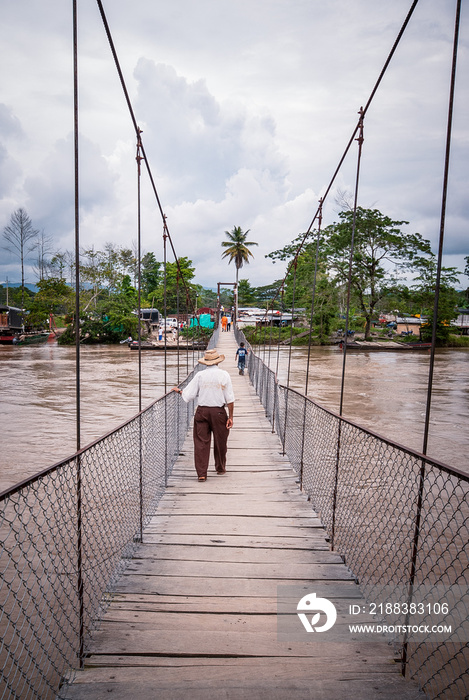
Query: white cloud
x,y
245,108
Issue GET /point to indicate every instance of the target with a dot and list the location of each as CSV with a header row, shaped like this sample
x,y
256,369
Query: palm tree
x,y
237,249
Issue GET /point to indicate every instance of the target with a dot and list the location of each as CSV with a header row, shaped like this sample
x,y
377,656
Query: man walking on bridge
x,y
214,391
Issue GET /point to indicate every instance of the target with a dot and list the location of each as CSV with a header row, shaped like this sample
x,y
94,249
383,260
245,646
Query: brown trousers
x,y
208,420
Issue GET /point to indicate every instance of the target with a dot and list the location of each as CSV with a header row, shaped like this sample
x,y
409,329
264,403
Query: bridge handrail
x,y
398,518
67,533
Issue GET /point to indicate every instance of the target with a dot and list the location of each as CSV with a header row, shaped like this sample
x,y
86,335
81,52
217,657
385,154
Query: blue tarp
x,y
204,321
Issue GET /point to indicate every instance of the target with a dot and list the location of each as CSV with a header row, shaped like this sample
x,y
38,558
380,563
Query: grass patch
x,y
267,336
458,341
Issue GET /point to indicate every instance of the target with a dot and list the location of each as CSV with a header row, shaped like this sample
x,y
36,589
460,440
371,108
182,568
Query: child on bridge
x,y
241,354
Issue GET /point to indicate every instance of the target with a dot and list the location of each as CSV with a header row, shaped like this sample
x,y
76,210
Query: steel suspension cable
x,y
313,297
165,304
270,335
295,270
277,362
177,336
442,222
287,393
138,159
422,476
139,270
352,138
79,491
349,285
135,125
352,250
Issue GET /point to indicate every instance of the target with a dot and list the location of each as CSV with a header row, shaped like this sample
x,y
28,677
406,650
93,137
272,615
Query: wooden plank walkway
x,y
195,615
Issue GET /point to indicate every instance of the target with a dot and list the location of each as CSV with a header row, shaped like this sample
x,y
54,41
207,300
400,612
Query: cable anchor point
x,y
360,138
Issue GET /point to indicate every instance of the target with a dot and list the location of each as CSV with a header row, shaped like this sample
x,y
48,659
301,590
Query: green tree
x,y
464,294
237,249
150,275
175,278
206,297
246,294
91,271
424,295
14,295
265,295
21,240
111,274
304,279
379,245
113,318
54,296
119,312
128,262
43,250
61,262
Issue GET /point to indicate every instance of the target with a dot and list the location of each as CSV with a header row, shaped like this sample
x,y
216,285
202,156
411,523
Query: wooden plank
x,y
312,540
262,668
227,498
159,620
220,553
224,569
226,587
245,509
211,643
195,613
228,505
341,688
247,525
194,604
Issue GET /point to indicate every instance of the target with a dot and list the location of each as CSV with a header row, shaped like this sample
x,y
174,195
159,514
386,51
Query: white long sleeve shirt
x,y
212,387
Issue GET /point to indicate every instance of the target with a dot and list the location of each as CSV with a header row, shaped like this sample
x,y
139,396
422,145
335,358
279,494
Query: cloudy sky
x,y
246,108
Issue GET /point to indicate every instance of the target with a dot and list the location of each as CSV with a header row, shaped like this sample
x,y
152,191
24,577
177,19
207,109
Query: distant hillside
x,y
31,287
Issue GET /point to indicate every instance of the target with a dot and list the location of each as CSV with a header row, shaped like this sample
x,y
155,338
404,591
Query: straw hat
x,y
212,357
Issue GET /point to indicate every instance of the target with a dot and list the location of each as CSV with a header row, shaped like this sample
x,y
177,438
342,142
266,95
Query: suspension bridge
x,y
121,574
196,609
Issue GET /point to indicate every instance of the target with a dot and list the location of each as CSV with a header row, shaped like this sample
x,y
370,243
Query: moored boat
x,y
33,338
392,345
161,347
11,324
12,329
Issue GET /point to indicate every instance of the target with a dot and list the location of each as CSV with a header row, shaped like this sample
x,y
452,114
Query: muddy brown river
x,y
384,391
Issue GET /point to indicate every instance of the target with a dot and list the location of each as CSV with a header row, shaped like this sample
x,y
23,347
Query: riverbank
x,y
300,337
384,391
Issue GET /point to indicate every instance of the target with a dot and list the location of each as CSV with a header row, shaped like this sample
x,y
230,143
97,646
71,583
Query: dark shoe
x,y
220,471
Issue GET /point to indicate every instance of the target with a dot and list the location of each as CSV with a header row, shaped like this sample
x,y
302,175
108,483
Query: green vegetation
x,y
197,333
20,240
237,251
384,255
457,341
266,335
237,248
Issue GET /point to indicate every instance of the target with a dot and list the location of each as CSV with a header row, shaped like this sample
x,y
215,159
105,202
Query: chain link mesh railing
x,y
67,534
399,519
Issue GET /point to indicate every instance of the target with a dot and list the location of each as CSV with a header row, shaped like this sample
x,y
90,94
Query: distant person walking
x,y
224,322
241,354
213,390
228,323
